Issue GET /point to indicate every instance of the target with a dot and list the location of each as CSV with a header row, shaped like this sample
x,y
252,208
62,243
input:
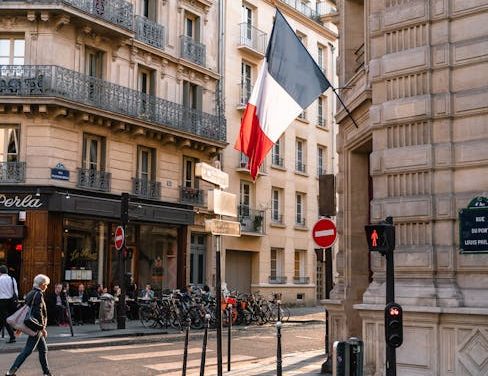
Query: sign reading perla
x,y
22,202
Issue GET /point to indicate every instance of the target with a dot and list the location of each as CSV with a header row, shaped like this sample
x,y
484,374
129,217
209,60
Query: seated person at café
x,y
80,305
116,291
147,293
56,306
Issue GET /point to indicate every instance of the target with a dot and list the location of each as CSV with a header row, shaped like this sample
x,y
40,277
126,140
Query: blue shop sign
x,y
59,172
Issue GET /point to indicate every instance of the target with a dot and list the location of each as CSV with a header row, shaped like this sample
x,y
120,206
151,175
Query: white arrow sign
x,y
319,234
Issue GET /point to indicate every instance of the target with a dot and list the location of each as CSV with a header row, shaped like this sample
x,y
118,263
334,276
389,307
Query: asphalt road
x,y
253,353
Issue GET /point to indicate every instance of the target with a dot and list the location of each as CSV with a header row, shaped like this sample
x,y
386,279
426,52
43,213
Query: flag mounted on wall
x,y
288,82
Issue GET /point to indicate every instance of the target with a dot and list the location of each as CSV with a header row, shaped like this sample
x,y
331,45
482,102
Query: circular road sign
x,y
324,233
119,238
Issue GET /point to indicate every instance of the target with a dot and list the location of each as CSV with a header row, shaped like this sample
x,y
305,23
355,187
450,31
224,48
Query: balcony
x,y
277,161
144,188
277,219
326,12
252,40
303,8
242,166
192,196
12,172
192,50
94,179
245,91
321,122
300,167
252,221
278,280
149,32
53,81
301,280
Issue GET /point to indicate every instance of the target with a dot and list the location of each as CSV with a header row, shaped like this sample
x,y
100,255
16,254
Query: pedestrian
x,y
38,310
8,300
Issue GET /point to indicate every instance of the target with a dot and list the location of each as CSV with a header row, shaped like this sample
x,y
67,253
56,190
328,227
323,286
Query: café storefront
x,y
68,235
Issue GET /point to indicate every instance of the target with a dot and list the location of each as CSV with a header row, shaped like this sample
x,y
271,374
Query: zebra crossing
x,y
158,359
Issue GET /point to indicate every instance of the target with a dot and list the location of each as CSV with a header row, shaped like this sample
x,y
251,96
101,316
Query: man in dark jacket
x,y
35,300
8,300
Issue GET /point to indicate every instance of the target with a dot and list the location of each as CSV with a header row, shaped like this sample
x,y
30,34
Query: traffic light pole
x,y
124,219
390,298
218,312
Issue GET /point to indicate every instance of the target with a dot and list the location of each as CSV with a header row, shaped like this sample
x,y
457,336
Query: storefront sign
x,y
473,227
12,231
60,172
20,202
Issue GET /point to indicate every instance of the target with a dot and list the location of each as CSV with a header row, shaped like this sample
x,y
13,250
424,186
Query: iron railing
x,y
277,160
321,122
94,179
54,81
253,38
149,32
359,58
193,196
324,9
192,50
302,8
12,172
300,167
277,279
243,161
146,188
245,91
251,220
277,219
301,280
300,221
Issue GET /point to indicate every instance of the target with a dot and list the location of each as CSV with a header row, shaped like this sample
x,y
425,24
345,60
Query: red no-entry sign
x,y
324,233
119,238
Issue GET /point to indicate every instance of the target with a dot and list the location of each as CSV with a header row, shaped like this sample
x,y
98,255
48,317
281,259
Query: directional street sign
x,y
324,233
119,238
212,174
220,227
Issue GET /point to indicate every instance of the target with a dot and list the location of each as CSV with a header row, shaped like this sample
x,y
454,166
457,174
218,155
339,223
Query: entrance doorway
x,y
238,270
11,256
197,259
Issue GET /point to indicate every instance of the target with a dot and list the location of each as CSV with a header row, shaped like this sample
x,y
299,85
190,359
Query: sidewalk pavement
x,y
90,335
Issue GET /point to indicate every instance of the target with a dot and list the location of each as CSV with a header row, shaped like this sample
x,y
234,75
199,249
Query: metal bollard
x,y
185,351
204,347
279,368
327,365
348,357
278,303
229,336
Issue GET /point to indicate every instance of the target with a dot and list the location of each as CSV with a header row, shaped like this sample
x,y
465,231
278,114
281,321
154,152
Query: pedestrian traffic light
x,y
394,325
124,209
380,237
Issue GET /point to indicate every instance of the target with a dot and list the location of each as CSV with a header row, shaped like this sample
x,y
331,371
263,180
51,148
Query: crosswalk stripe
x,y
195,363
209,370
154,354
115,348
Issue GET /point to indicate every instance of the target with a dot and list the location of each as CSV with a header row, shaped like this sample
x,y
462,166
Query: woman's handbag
x,y
17,319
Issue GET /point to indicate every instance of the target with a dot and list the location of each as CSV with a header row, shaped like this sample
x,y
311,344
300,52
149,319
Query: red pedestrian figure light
x,y
374,238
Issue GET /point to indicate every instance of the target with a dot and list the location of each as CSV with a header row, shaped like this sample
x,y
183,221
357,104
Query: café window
x,y
9,144
12,51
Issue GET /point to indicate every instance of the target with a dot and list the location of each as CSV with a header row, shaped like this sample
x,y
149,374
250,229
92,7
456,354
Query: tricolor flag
x,y
288,82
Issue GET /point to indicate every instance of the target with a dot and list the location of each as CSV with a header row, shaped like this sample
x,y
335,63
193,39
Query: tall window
x,y
300,155
247,19
300,209
146,166
9,144
12,51
197,259
93,62
276,211
192,95
276,159
276,264
146,81
321,160
245,199
192,27
93,152
320,112
149,9
320,56
299,264
246,82
189,180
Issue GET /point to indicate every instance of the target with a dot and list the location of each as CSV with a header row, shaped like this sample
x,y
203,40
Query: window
x,y
189,180
246,83
192,27
299,273
276,159
321,160
300,209
93,152
245,199
300,155
149,9
276,211
276,266
192,96
93,62
302,37
320,112
146,81
9,148
247,18
320,56
12,51
197,259
146,163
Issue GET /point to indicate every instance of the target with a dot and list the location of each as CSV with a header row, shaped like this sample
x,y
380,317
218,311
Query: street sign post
x,y
221,227
119,238
212,174
324,233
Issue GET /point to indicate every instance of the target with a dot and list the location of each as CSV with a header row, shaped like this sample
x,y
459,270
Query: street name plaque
x,y
473,227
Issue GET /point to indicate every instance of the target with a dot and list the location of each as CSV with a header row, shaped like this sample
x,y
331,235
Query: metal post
x,y
124,219
185,351
327,365
390,298
218,313
279,369
278,303
229,336
204,346
68,313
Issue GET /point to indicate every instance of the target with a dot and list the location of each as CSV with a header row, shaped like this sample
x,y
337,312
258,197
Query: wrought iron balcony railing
x,y
276,219
94,179
192,50
303,8
245,90
277,161
300,167
192,196
275,279
321,122
150,32
54,81
251,220
12,172
253,38
146,188
324,9
117,12
301,280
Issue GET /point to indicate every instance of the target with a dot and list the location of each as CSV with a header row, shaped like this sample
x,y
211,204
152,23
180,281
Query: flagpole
x,y
343,105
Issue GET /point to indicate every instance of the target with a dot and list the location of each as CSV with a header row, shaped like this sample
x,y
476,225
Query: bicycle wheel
x,y
147,317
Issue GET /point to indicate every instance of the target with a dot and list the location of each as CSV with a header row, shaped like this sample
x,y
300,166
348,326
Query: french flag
x,y
288,82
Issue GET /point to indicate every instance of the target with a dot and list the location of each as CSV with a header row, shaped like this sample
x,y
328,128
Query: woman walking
x,y
35,300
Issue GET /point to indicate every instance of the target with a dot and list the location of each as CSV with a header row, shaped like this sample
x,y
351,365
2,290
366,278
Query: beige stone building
x,y
275,253
414,74
98,98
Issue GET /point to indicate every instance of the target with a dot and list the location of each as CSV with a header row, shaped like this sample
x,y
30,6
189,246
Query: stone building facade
x,y
414,75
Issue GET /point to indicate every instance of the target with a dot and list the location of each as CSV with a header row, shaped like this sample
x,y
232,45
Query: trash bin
x,y
107,316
